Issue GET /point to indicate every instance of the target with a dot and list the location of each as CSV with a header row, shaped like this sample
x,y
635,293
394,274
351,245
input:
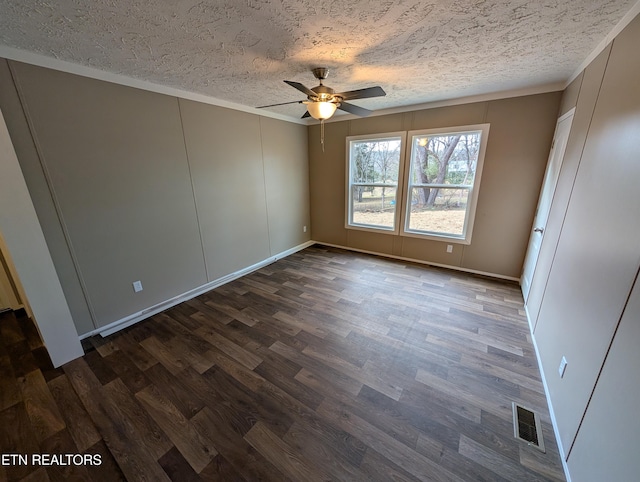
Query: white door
x,y
558,146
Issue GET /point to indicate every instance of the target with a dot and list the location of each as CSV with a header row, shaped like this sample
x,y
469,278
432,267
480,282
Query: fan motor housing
x,y
324,92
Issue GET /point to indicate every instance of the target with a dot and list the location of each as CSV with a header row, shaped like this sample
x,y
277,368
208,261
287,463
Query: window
x,y
373,173
444,167
433,196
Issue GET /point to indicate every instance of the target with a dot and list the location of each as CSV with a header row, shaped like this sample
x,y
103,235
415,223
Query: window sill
x,y
437,237
372,229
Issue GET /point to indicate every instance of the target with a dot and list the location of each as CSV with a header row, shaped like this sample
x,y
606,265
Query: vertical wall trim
x,y
264,183
193,190
52,193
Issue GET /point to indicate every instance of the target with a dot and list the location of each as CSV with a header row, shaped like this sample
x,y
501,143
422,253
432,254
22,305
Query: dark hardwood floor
x,y
326,365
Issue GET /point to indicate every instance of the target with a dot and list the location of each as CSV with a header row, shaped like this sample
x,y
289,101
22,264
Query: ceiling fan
x,y
322,101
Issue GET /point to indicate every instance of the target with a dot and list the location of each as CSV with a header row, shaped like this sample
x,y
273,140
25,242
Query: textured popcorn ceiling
x,y
241,50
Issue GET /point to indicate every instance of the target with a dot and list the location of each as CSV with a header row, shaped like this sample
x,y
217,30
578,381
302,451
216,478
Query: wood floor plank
x,y
41,408
275,416
77,420
285,458
141,358
30,332
175,389
62,443
234,351
234,313
415,464
100,368
495,462
9,387
242,456
108,469
163,354
305,394
494,404
220,470
136,460
140,424
378,467
127,371
195,450
177,468
10,329
39,475
22,359
238,419
17,437
467,468
330,433
321,454
318,370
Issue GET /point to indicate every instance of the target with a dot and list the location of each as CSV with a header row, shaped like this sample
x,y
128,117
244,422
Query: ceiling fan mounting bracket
x,y
320,73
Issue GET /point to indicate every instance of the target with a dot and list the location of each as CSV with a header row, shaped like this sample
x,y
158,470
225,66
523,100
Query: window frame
x,y
397,214
474,189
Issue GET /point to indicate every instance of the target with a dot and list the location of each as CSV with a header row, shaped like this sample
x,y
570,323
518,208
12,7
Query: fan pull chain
x,y
322,134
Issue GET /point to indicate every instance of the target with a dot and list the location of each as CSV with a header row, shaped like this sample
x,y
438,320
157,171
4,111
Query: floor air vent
x,y
526,426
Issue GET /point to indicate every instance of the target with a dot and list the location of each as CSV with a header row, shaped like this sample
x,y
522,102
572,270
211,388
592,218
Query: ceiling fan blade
x,y
301,88
363,93
305,115
354,109
281,103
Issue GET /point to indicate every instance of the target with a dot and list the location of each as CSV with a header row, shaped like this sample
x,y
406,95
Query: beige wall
x,y
133,185
518,145
588,311
286,177
42,200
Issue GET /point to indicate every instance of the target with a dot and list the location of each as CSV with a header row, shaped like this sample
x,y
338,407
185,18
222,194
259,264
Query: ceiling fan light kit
x,y
321,110
322,101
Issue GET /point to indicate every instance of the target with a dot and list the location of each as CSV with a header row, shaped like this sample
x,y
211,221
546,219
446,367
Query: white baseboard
x,y
554,422
164,305
420,261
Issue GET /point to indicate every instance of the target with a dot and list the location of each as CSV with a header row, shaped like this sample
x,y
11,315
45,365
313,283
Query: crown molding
x,y
626,20
62,65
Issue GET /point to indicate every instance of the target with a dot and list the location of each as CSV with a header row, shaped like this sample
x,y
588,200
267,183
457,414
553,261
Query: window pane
x,y
444,215
374,206
375,160
374,164
445,158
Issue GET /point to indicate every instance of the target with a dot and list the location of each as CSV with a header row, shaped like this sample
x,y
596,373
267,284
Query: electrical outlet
x,y
137,286
304,229
562,367
449,248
